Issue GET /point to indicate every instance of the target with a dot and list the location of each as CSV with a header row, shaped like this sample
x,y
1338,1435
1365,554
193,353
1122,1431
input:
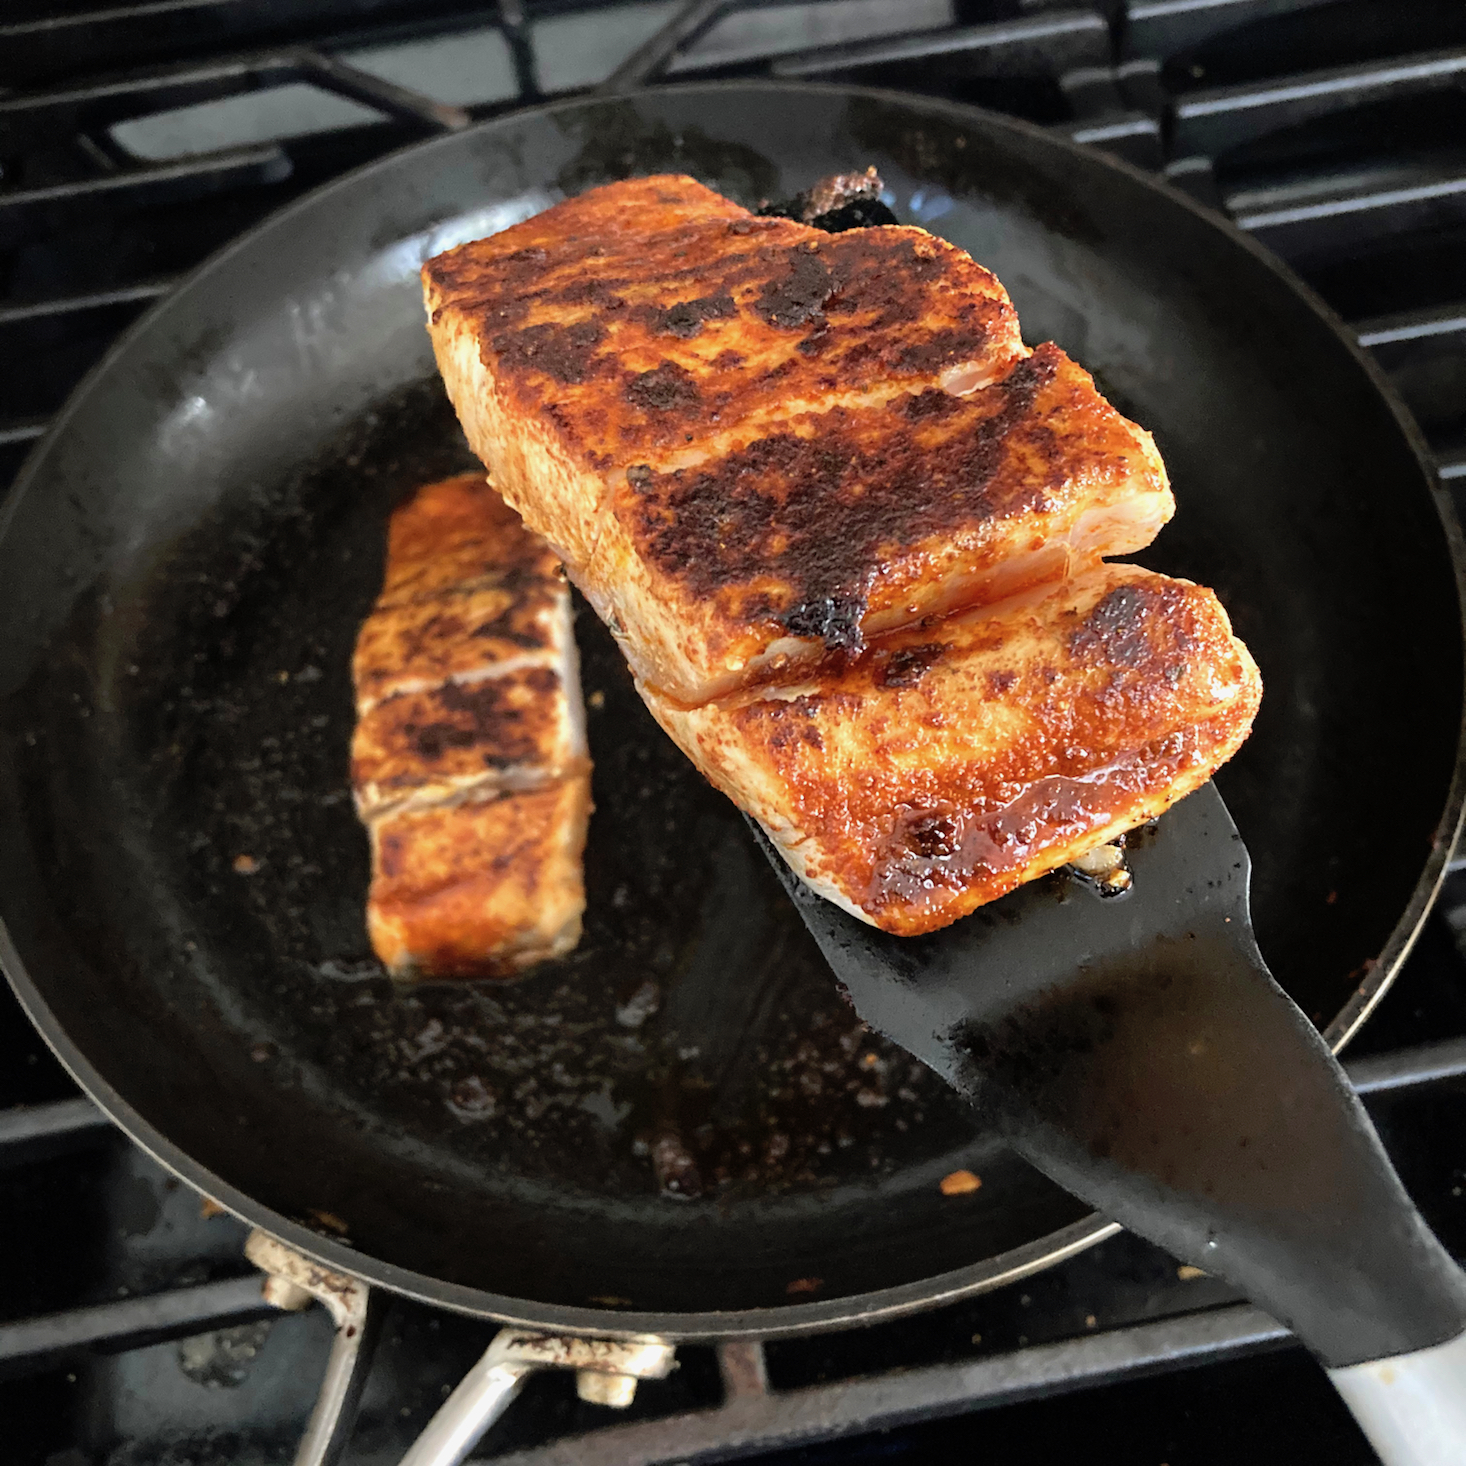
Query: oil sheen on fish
x,y
955,761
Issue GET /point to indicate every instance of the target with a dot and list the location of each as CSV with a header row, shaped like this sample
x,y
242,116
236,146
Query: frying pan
x,y
679,1132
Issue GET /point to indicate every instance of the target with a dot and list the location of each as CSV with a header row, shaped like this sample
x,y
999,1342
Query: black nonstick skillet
x,y
663,1135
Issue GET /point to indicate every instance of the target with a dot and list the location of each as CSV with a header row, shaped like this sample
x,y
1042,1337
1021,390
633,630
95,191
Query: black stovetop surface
x,y
1332,129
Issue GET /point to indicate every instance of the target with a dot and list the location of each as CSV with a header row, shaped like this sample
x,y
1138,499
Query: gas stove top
x,y
134,141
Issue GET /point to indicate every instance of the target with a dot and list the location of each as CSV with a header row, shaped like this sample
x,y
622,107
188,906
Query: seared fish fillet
x,y
752,441
849,533
483,888
469,760
952,763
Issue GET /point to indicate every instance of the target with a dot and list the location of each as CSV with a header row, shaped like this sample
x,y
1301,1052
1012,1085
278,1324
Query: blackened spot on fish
x,y
485,714
1115,628
931,403
790,724
504,628
639,476
599,293
928,852
873,273
433,740
521,263
781,733
516,579
942,348
834,619
1000,682
686,318
663,389
815,342
799,297
908,664
446,626
817,515
562,352
473,698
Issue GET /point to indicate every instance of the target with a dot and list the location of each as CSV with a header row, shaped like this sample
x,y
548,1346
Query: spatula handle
x,y
1412,1407
1186,1097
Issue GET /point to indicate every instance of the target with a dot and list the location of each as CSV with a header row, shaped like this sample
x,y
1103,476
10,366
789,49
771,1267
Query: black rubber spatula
x,y
1137,1050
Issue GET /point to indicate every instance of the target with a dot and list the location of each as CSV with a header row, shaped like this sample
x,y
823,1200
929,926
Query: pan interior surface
x,y
682,1118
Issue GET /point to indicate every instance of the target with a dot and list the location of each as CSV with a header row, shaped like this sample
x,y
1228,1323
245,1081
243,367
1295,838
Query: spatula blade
x,y
1137,1050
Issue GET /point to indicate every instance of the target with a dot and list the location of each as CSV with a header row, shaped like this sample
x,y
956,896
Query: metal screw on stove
x,y
606,1373
281,1293
615,1390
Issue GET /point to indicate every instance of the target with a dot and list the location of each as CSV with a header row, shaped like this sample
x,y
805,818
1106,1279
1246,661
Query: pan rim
x,y
789,1319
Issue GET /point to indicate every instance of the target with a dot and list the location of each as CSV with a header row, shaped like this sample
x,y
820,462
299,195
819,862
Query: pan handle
x,y
293,1281
607,1371
1412,1407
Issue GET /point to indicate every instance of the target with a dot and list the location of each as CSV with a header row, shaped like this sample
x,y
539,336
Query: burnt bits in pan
x,y
693,1047
837,203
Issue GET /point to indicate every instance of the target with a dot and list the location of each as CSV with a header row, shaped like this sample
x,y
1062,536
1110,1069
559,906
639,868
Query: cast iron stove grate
x,y
136,140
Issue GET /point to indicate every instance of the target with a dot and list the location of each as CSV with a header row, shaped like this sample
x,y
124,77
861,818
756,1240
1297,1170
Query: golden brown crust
x,y
851,522
454,634
737,430
646,311
468,760
431,745
950,764
455,533
480,889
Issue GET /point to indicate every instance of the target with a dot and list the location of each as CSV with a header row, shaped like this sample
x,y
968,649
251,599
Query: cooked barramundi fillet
x,y
853,523
954,762
467,592
469,760
850,534
753,441
484,887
